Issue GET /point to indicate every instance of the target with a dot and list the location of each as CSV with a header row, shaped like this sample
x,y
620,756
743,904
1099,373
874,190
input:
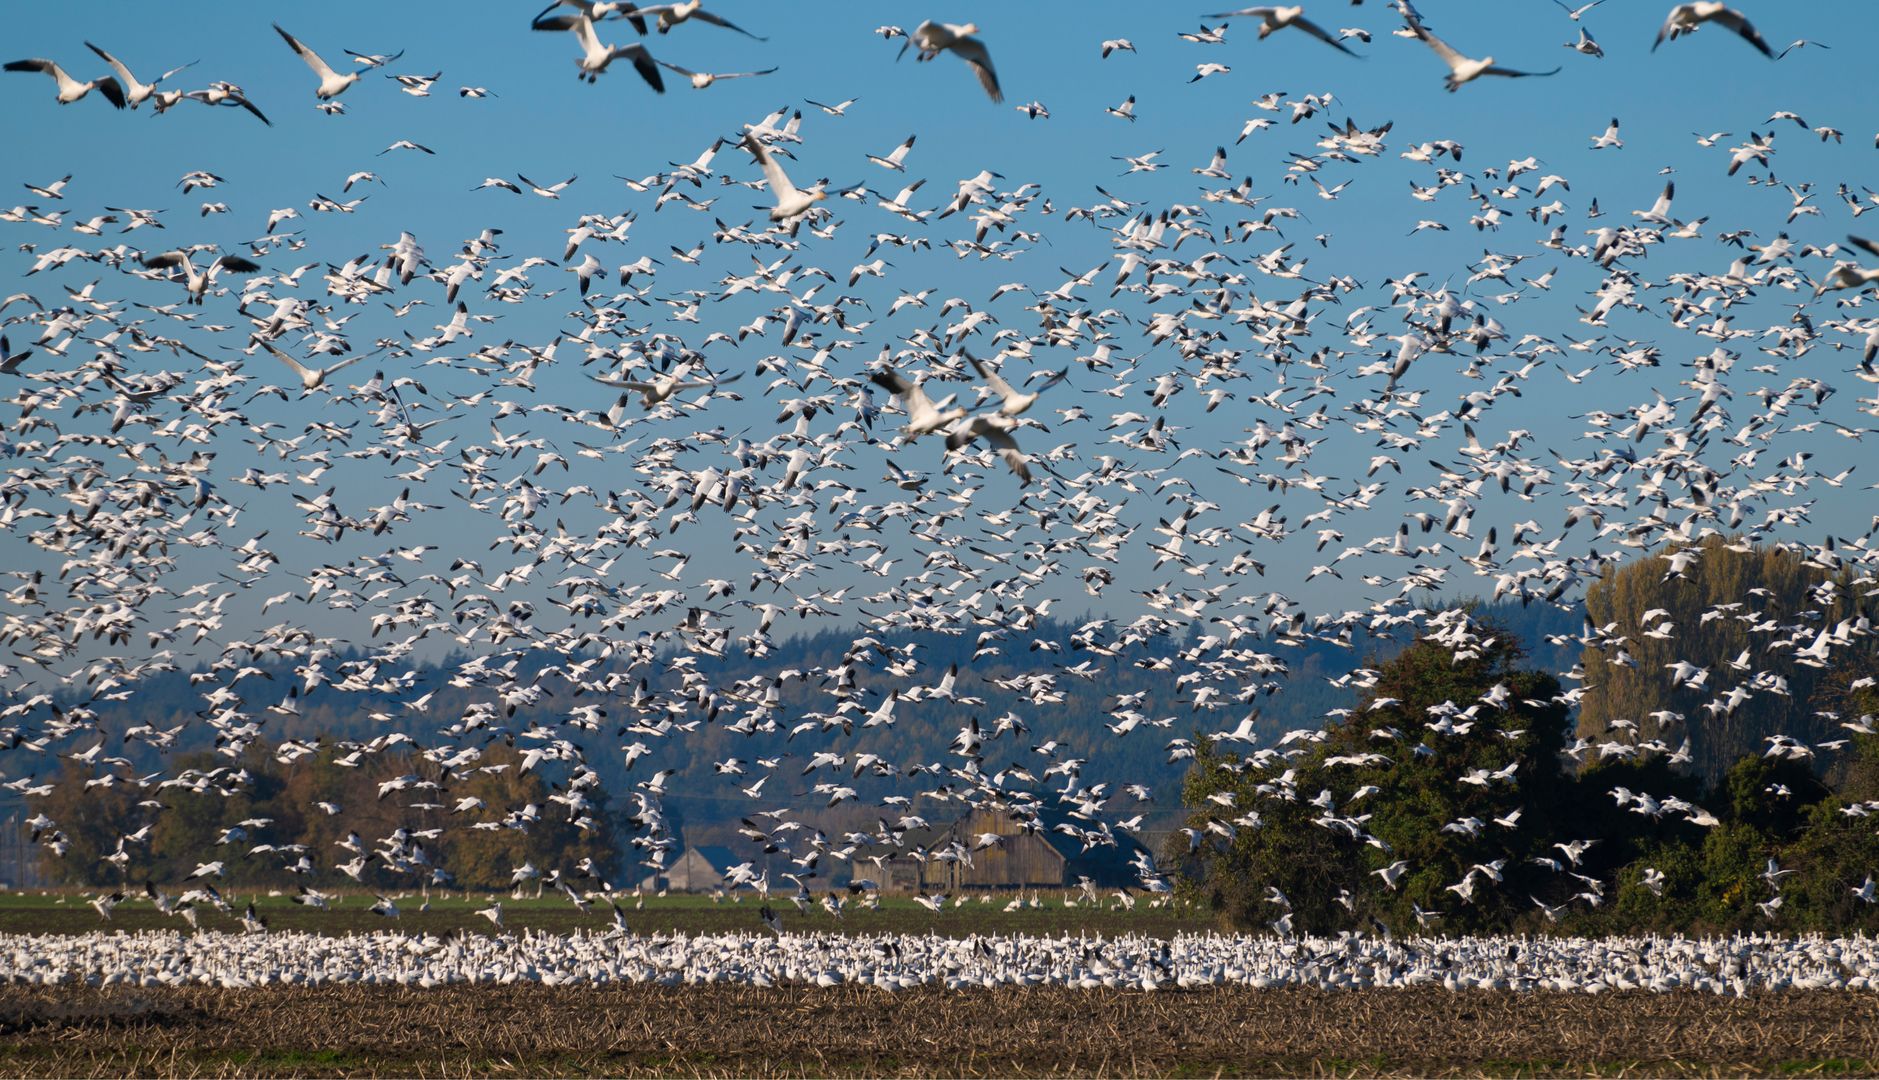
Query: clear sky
x,y
544,123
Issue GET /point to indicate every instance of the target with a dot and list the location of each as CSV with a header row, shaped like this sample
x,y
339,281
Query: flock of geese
x,y
267,467
1732,966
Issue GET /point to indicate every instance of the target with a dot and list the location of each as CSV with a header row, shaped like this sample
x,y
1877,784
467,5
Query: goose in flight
x,y
197,282
311,378
71,89
1275,18
1689,18
790,202
1845,274
670,15
218,93
702,79
332,83
895,158
994,429
933,38
661,389
10,361
135,93
595,56
923,416
1013,403
1461,69
600,10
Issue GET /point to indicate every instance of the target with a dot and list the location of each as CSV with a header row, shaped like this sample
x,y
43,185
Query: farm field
x,y
850,1031
69,913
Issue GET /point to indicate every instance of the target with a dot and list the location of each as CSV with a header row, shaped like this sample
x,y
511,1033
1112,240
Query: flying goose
x,y
1461,69
1275,18
1689,18
135,93
923,416
1013,403
661,389
702,79
600,10
332,83
595,56
933,38
71,89
311,378
790,202
670,15
994,429
197,282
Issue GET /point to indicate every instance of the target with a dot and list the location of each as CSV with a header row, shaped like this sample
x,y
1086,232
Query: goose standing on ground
x,y
71,89
1274,19
332,83
595,56
135,93
1689,18
197,282
670,15
790,202
1461,69
933,38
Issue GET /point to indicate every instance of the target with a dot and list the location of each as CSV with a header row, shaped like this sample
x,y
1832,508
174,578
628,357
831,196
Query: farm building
x,y
697,869
1030,854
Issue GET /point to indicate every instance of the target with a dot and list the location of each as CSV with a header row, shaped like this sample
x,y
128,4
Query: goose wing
x,y
1442,49
992,378
311,58
718,20
118,65
973,52
1736,21
780,187
643,63
1318,32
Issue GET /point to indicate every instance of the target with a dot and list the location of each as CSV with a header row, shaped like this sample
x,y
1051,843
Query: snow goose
x,y
702,79
933,38
332,83
661,389
595,56
670,15
896,158
1689,18
790,202
602,10
197,282
71,89
1461,69
217,93
995,430
1275,18
311,378
1850,275
135,93
923,416
1012,402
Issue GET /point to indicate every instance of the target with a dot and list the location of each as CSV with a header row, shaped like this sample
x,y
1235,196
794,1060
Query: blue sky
x,y
546,124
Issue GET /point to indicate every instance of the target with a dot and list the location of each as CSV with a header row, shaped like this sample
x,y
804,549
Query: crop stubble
x,y
747,1031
